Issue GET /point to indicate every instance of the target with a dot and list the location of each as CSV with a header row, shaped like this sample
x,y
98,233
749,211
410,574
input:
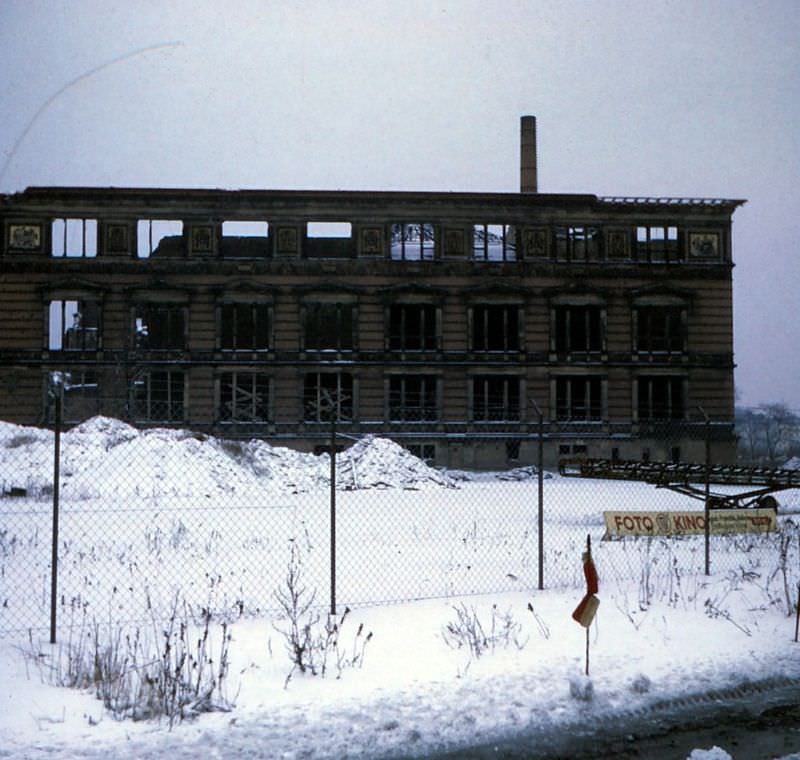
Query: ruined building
x,y
440,319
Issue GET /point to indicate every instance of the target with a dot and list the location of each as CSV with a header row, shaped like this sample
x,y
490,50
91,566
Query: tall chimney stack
x,y
527,164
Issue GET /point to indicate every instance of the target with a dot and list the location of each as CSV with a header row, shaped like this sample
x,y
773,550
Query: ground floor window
x,y
327,394
413,398
80,397
579,399
158,396
495,398
243,397
661,398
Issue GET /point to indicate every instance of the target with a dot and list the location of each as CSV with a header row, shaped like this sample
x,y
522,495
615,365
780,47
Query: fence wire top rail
x,y
669,473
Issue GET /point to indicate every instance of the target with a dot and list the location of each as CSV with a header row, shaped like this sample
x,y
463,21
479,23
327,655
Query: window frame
x,y
481,245
401,239
139,313
645,406
590,392
482,408
233,378
176,381
83,304
398,336
261,313
345,398
89,242
400,409
480,325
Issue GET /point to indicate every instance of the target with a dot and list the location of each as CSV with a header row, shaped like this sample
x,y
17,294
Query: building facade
x,y
444,320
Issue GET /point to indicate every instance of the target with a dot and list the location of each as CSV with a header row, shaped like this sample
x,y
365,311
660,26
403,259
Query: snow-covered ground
x,y
184,519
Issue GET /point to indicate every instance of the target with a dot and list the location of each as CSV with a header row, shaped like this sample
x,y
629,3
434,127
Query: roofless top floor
x,y
114,222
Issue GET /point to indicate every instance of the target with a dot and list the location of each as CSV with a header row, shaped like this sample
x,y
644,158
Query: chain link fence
x,y
141,517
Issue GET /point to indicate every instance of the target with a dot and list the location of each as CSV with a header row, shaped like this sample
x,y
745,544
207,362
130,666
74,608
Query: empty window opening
x,y
74,238
495,328
244,397
413,242
661,398
579,399
659,329
244,239
328,395
494,242
329,326
158,396
577,243
160,327
73,325
657,243
579,329
512,451
495,398
159,237
413,398
412,327
329,230
244,327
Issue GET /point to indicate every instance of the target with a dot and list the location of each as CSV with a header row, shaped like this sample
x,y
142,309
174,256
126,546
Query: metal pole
x,y
540,467
707,531
56,479
333,511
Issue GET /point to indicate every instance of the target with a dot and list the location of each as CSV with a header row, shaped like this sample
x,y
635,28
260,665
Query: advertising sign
x,y
722,522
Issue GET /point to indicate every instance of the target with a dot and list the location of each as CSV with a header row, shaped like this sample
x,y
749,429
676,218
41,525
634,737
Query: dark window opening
x,y
243,397
413,242
424,451
244,326
158,396
495,328
160,327
494,242
74,238
244,240
579,329
661,398
579,399
512,451
675,454
73,325
413,398
495,398
328,395
577,243
329,240
657,243
659,329
329,326
412,327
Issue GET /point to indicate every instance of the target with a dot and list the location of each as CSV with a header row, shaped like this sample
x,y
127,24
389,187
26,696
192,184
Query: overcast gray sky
x,y
632,98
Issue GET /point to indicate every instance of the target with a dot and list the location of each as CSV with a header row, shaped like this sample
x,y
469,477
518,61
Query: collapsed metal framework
x,y
692,480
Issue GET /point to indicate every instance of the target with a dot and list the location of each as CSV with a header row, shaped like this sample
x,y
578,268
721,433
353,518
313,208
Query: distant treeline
x,y
769,434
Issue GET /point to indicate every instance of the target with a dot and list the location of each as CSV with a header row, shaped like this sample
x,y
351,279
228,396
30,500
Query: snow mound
x,y
106,458
792,464
380,463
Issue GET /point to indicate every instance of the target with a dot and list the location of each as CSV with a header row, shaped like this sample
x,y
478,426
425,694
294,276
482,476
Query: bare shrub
x,y
467,631
167,671
313,646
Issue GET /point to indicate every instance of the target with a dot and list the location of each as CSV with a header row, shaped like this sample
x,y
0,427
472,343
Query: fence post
x,y
56,389
707,531
333,511
540,467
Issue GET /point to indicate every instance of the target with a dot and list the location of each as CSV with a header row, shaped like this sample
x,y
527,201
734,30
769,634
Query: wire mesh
x,y
148,515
